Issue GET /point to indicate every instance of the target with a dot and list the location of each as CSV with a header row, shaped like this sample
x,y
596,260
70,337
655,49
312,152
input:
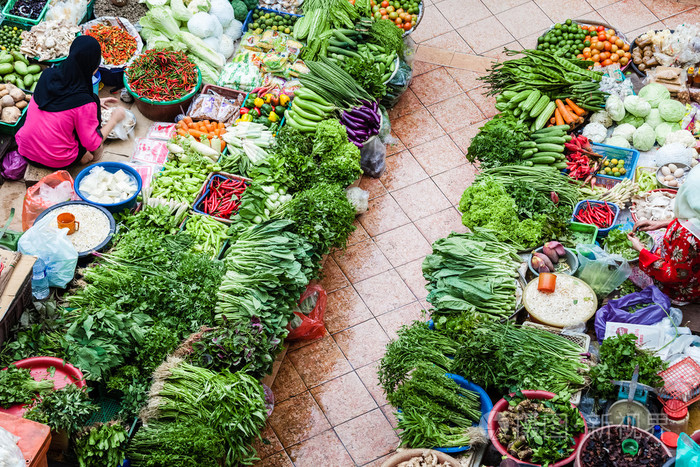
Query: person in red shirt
x,y
675,268
63,125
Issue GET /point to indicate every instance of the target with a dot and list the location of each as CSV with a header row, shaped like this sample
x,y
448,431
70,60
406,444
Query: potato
x,y
4,92
21,104
7,101
17,94
10,115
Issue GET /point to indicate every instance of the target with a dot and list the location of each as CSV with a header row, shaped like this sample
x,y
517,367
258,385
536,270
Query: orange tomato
x,y
399,11
604,55
614,57
399,22
382,11
611,32
607,45
586,55
613,39
596,64
606,62
625,47
620,43
587,38
602,37
595,58
586,49
385,3
385,16
598,45
408,26
614,48
581,56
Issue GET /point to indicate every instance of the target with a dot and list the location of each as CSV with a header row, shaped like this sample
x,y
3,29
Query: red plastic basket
x,y
681,384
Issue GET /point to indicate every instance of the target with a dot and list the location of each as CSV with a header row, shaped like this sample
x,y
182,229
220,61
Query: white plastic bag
x,y
359,199
10,454
53,247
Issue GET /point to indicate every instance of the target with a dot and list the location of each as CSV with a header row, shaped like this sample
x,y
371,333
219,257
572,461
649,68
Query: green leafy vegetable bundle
x,y
471,273
497,142
65,409
617,243
185,443
231,403
101,445
507,357
618,356
18,387
435,410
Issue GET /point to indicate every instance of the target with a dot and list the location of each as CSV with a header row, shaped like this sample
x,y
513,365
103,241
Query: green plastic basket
x,y
11,129
109,410
20,19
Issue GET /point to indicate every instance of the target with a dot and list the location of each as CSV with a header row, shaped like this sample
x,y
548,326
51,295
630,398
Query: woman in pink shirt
x,y
63,123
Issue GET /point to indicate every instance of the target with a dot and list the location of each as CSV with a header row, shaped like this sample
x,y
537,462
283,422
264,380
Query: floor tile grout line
x,y
443,128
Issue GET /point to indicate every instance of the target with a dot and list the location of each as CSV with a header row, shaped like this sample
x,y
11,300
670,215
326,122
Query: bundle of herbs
x,y
101,445
539,430
471,273
506,357
434,409
68,408
233,404
618,357
18,387
497,142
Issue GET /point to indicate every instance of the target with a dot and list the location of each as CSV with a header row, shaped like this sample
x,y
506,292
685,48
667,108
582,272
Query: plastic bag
x,y
54,188
308,323
13,166
11,453
161,130
603,271
359,199
688,452
54,248
397,85
150,151
123,129
373,157
617,311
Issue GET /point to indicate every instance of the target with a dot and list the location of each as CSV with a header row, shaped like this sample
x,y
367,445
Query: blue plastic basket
x,y
249,16
630,156
601,232
207,187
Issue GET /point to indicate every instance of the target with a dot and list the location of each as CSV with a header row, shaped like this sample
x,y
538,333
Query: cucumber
x,y
544,116
521,96
528,152
564,128
549,147
289,120
310,107
527,144
531,100
501,106
517,110
33,69
527,163
539,106
508,95
6,68
342,51
542,160
560,165
309,95
567,138
553,155
550,139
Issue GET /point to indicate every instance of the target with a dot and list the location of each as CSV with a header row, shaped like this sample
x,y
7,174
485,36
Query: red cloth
x,y
51,138
676,268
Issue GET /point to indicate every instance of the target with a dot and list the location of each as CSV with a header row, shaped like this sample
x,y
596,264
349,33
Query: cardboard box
x,y
16,296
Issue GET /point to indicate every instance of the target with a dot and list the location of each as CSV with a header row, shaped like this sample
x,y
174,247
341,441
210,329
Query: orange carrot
x,y
552,121
196,133
566,115
221,126
187,121
558,119
577,110
182,132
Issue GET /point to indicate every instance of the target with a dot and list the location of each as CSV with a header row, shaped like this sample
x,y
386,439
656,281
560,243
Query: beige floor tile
x,y
663,9
451,41
689,16
524,20
433,24
438,155
460,13
499,6
456,113
561,10
466,79
420,199
435,86
627,15
384,292
486,34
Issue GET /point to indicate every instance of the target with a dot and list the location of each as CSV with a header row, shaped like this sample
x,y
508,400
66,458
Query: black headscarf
x,y
70,85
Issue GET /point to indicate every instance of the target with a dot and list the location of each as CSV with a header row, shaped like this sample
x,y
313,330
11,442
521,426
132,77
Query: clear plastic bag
x,y
604,272
54,188
688,452
373,157
397,85
54,248
359,199
11,453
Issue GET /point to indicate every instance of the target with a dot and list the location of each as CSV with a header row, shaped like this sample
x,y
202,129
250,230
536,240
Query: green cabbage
x,y
637,106
618,141
654,118
644,138
209,74
615,107
632,120
671,111
154,3
240,11
654,93
663,130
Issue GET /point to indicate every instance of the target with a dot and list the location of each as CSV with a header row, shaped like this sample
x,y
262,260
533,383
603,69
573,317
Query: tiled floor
x,y
330,409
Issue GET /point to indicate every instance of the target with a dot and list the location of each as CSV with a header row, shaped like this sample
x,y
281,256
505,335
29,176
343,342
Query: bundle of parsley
x,y
497,142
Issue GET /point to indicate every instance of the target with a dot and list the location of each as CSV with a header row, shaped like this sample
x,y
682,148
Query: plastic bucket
x,y
96,82
111,167
637,433
164,111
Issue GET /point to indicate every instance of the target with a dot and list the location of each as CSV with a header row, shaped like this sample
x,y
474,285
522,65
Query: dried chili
x,y
162,75
118,46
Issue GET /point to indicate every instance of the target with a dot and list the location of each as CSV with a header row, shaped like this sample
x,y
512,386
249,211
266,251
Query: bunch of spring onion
x,y
506,357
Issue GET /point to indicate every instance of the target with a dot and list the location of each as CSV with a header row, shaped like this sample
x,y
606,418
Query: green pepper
x,y
265,109
279,110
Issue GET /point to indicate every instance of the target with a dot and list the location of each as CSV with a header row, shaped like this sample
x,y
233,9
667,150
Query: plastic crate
x,y
630,157
588,229
220,254
13,128
20,303
249,16
289,106
205,191
601,232
681,383
109,410
20,20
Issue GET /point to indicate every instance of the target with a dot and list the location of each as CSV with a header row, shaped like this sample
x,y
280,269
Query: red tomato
x,y
407,26
600,29
602,37
385,3
607,62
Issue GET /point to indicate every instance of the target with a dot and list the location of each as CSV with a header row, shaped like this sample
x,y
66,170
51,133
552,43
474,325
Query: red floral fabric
x,y
675,268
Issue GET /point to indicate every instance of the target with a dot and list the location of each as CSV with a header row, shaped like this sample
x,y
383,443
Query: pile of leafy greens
x,y
619,355
18,387
497,142
363,71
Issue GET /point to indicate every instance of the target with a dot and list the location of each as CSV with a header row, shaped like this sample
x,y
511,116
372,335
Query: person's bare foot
x,y
87,158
